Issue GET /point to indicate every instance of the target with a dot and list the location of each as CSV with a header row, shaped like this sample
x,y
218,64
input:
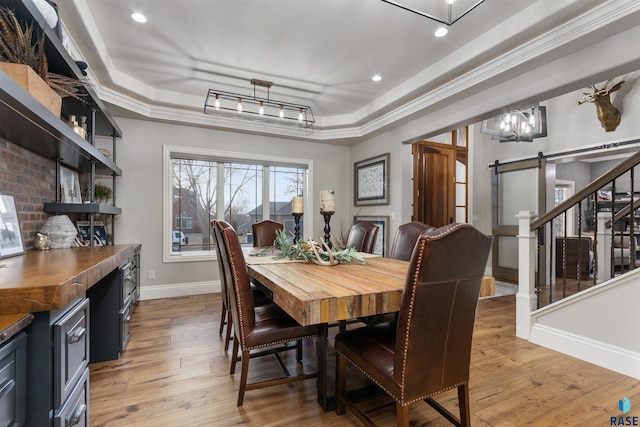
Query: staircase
x,y
579,294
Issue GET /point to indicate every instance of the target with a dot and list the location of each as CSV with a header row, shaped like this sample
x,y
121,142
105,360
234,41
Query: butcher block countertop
x,y
49,280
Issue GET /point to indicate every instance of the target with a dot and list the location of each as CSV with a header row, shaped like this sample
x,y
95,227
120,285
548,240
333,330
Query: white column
x,y
604,247
526,297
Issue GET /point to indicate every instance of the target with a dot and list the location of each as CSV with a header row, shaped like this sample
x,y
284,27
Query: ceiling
x,y
321,53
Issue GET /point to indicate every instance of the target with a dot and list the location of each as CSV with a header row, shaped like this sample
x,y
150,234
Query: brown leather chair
x,y
406,238
264,232
362,236
226,317
428,349
255,327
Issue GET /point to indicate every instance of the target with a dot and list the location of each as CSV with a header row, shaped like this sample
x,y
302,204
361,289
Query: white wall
x,y
597,326
139,193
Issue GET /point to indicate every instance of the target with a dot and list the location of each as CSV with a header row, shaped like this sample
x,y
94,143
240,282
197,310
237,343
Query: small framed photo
x,y
381,222
69,186
10,235
371,181
99,232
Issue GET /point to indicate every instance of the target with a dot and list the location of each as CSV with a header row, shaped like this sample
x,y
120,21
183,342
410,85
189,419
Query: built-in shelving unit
x,y
27,123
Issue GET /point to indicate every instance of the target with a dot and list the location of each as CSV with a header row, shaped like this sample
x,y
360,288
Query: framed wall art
x,y
69,186
10,236
381,222
371,181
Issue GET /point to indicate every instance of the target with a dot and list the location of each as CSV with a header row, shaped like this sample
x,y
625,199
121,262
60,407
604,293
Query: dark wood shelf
x,y
29,124
84,208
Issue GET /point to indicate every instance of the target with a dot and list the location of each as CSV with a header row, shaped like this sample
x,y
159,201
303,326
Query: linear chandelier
x,y
255,107
522,124
451,17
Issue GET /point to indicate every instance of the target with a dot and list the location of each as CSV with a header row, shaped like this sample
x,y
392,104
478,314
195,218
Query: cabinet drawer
x,y
126,272
71,350
125,325
75,411
13,381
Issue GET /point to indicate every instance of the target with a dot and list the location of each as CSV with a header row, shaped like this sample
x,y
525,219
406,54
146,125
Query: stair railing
x,y
606,223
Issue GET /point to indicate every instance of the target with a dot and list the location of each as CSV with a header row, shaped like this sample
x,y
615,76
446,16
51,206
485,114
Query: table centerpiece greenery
x,y
309,251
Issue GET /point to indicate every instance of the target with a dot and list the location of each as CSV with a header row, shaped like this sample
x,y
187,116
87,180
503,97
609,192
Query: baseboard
x,y
179,290
598,353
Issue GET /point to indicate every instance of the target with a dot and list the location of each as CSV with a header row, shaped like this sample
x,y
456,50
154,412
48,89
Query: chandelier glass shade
x,y
255,107
522,124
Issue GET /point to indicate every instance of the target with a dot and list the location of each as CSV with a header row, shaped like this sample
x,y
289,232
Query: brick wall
x,y
31,179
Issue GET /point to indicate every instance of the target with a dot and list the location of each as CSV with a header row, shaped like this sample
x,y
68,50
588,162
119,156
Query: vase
x,y
61,231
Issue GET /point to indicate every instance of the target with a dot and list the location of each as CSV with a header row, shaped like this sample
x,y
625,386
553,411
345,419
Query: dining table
x,y
324,295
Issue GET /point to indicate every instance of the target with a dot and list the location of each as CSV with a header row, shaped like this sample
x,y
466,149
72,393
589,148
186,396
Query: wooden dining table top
x,y
314,294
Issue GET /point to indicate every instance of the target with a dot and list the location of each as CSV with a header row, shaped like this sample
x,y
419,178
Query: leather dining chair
x,y
255,328
428,349
264,232
226,317
406,238
362,236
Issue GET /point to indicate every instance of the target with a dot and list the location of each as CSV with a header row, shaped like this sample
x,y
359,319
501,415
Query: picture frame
x,y
11,243
371,181
69,186
382,239
99,232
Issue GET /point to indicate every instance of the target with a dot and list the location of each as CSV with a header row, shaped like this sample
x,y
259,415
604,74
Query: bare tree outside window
x,y
199,194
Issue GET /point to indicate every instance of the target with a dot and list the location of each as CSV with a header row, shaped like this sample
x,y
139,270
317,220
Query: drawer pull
x,y
77,415
77,335
6,388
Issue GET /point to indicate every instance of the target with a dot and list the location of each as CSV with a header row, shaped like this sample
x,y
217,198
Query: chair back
x,y
362,236
435,323
264,232
240,294
224,282
406,238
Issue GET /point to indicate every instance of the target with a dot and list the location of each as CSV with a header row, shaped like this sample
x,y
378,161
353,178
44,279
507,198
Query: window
x,y
201,185
184,222
563,190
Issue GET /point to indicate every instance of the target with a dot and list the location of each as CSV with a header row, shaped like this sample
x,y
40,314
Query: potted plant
x,y
101,193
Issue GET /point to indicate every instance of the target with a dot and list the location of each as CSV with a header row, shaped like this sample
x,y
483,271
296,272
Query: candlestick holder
x,y
296,229
327,228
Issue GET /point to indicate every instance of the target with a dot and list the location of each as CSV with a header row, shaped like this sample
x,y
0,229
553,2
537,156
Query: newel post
x,y
526,299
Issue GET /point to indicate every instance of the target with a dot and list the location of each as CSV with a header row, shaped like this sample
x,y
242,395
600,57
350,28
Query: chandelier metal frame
x,y
449,20
518,125
256,107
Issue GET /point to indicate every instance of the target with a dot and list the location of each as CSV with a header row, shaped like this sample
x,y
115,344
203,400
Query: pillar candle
x,y
297,206
327,201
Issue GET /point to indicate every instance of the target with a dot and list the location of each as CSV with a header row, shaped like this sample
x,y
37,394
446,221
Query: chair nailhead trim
x,y
400,400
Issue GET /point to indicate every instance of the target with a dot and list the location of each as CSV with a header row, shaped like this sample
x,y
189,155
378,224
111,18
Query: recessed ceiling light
x,y
138,17
450,1
376,78
441,32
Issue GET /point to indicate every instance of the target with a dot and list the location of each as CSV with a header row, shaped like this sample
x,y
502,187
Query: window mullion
x,y
266,192
220,191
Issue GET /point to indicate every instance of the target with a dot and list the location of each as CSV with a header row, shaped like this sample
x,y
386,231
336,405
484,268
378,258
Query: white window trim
x,y
167,202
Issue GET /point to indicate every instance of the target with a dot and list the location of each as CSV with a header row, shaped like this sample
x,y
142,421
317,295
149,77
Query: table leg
x,y
326,402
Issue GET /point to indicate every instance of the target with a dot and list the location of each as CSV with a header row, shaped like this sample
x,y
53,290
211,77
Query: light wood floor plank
x,y
175,372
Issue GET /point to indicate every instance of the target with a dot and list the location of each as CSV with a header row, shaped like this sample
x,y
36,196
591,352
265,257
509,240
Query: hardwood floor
x,y
175,372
